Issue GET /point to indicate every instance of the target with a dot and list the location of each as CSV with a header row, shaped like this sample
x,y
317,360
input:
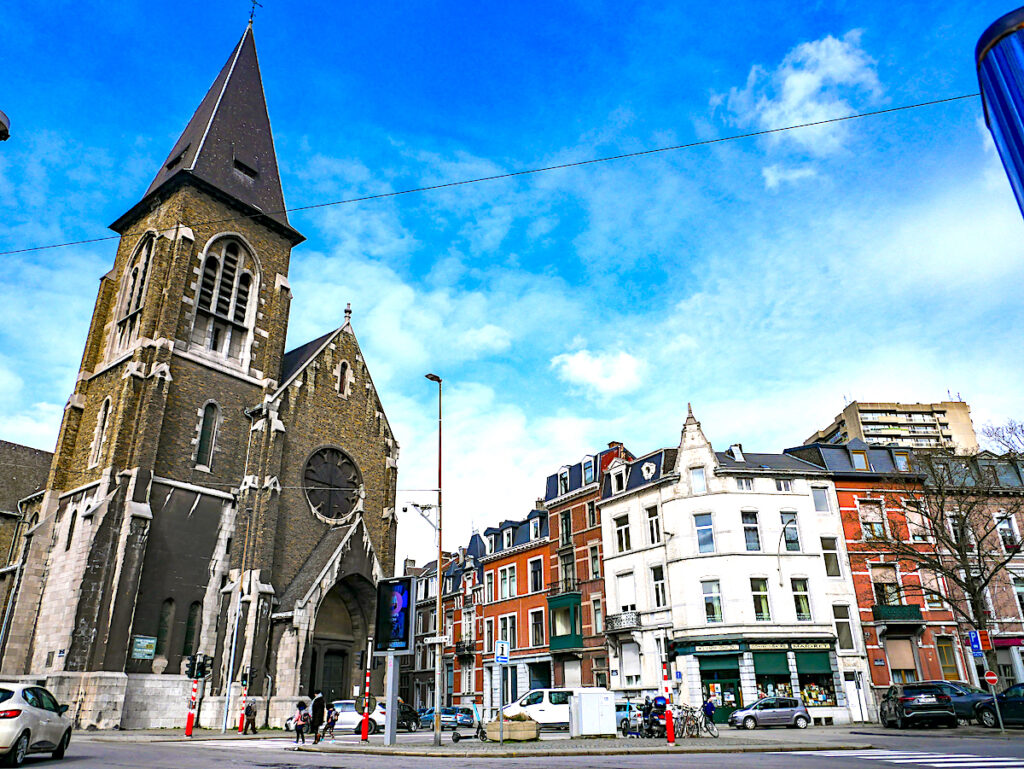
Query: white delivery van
x,y
548,707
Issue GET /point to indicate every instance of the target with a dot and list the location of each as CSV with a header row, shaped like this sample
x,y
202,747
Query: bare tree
x,y
961,524
1008,437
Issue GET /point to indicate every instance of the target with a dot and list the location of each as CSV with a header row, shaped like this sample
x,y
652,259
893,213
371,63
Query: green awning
x,y
813,662
771,663
720,662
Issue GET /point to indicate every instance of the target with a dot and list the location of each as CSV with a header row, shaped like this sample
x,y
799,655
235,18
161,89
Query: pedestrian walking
x,y
332,720
299,721
250,717
317,710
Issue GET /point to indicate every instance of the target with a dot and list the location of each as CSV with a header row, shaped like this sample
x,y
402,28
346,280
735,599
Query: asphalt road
x,y
909,750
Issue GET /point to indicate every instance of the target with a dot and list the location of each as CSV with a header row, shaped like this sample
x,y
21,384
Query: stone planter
x,y
515,731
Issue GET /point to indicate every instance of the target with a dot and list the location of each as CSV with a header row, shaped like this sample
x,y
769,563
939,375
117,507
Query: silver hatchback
x,y
772,711
31,721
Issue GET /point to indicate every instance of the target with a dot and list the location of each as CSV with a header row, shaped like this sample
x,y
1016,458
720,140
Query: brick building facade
x,y
201,472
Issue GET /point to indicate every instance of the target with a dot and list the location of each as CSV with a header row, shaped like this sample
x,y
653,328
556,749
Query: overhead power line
x,y
524,172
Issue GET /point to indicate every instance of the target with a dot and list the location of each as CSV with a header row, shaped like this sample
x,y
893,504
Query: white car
x,y
31,721
548,707
349,718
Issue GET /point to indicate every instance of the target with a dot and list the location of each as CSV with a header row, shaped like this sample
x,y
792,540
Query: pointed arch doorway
x,y
340,635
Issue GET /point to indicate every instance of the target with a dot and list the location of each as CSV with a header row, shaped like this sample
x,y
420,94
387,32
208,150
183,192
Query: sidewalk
x,y
173,735
730,741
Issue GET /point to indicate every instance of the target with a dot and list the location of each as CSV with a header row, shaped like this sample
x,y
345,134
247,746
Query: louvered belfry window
x,y
133,291
223,308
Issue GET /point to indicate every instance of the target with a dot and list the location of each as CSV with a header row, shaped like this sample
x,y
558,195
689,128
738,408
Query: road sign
x,y
972,636
986,642
501,649
434,640
991,678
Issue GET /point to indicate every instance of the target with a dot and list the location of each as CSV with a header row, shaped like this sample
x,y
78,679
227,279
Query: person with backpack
x,y
332,720
299,721
250,717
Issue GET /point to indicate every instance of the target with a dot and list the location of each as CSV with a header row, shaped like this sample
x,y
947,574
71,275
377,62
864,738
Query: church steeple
x,y
228,144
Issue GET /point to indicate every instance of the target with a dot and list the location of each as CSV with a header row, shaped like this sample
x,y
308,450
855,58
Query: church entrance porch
x,y
337,650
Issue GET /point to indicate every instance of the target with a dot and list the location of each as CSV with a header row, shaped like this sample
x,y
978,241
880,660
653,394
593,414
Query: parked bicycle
x,y
692,722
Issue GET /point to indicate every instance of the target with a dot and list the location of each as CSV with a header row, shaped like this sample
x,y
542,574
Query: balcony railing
x,y
627,620
465,647
896,612
565,585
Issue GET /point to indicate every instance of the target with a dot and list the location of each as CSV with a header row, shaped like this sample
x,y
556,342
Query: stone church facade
x,y
202,473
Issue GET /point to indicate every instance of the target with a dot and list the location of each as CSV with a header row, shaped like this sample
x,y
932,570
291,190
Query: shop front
x,y
738,673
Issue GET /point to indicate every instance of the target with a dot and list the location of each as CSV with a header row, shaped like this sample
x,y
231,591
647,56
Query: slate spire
x,y
228,143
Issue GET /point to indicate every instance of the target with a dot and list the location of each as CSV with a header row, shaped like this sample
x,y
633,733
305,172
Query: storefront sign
x,y
716,648
779,647
808,646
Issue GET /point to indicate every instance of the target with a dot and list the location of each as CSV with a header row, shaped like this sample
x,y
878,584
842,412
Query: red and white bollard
x,y
241,717
366,708
670,725
190,720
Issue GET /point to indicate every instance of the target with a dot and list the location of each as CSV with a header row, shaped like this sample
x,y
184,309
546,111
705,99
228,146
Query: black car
x,y
1011,708
408,718
966,698
917,703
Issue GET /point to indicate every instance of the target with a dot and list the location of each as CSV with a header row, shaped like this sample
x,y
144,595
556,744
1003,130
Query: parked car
x,y
464,717
426,718
31,721
548,707
408,719
626,712
1011,708
912,704
351,718
772,711
965,698
449,719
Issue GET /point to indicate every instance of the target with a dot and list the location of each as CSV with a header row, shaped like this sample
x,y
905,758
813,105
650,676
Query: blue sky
x,y
762,280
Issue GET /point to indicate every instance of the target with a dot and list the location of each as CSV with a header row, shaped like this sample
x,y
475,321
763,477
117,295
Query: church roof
x,y
228,143
294,360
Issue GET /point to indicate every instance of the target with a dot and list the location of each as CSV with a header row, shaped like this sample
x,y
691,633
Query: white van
x,y
548,707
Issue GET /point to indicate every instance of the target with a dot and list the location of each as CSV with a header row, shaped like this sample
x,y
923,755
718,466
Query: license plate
x,y
926,699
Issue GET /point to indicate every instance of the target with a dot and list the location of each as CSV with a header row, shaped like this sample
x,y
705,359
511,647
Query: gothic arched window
x,y
225,308
207,435
192,628
344,378
100,435
71,530
133,289
163,630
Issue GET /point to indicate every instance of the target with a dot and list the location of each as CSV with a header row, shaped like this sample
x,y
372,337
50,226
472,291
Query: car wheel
x,y
988,718
800,722
901,722
749,722
624,726
16,755
963,721
62,747
373,727
413,726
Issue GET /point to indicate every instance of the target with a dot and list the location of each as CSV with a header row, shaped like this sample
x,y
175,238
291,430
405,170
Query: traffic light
x,y
245,677
205,663
192,668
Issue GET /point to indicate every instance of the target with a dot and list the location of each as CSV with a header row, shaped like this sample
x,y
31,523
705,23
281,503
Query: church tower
x,y
164,514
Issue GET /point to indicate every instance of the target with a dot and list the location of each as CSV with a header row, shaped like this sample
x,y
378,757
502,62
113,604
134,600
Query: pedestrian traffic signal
x,y
191,667
245,677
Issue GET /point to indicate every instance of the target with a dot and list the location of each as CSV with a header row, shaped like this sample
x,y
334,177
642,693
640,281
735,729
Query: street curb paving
x,y
482,754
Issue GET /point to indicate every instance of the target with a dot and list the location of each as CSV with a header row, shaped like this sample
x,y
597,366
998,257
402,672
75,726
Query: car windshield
x,y
447,711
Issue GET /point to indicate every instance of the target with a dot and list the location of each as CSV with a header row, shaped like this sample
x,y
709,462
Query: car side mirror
x,y
62,709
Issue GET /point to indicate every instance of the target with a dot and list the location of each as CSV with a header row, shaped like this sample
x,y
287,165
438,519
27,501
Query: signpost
x,y
975,640
985,641
501,649
393,635
992,679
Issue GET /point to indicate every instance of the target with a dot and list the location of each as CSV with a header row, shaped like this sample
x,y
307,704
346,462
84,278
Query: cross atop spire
x,y
228,144
252,12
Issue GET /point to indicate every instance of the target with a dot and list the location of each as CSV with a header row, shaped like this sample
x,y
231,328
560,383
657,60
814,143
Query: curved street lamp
x,y
438,661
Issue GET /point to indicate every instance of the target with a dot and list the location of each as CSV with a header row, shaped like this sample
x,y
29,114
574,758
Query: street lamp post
x,y
438,655
778,550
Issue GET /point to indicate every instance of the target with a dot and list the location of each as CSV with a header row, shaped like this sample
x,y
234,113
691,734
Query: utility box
x,y
592,713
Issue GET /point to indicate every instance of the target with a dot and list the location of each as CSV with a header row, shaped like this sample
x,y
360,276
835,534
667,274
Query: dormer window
x,y
492,543
563,482
535,528
506,538
902,460
618,481
225,305
588,470
859,459
698,483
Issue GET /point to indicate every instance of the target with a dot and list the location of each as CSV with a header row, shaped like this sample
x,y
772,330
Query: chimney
x,y
539,504
409,565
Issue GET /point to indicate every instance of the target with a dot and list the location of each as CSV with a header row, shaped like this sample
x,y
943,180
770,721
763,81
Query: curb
x,y
482,754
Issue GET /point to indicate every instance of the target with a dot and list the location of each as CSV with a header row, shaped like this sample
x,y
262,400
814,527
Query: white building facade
x,y
728,566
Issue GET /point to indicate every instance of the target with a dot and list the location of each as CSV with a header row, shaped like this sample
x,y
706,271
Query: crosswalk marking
x,y
937,760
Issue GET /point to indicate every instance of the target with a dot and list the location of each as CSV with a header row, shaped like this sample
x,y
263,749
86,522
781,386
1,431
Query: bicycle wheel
x,y
710,728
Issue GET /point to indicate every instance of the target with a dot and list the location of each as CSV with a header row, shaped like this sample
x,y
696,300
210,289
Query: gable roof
x,y
295,360
779,463
228,143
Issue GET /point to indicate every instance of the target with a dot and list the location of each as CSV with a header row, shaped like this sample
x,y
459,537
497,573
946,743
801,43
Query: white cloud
x,y
775,175
605,373
817,80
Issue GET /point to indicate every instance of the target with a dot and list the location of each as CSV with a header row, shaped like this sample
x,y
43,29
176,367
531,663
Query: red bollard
x,y
241,716
366,709
670,725
190,721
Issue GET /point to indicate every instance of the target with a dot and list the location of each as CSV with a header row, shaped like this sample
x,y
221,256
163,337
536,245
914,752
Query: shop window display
x,y
774,686
817,689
